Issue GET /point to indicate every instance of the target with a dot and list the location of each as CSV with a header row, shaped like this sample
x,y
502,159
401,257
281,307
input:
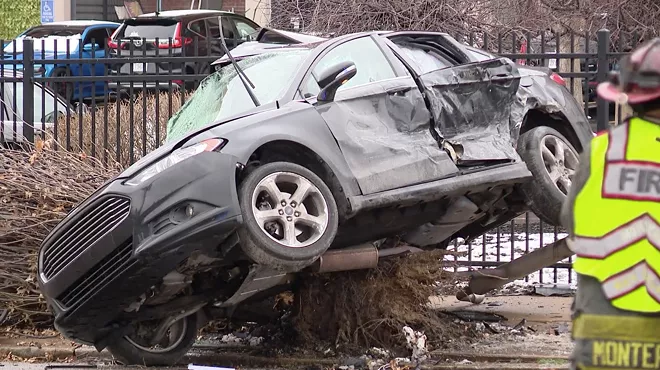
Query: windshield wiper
x,y
244,78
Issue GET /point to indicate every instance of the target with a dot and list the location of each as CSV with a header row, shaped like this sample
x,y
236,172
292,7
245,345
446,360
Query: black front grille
x,y
91,225
102,273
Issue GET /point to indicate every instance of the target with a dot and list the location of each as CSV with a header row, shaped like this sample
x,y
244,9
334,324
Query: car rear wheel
x,y
552,160
137,348
290,216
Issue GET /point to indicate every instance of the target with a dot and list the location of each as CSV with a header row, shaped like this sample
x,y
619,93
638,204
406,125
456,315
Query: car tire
x,y
552,160
127,352
271,234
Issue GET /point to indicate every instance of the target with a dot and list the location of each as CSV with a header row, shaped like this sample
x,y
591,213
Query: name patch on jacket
x,y
624,354
632,180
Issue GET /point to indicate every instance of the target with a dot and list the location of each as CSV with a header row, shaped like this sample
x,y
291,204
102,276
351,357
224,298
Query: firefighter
x,y
613,217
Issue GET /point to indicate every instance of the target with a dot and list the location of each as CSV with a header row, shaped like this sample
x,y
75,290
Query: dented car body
x,y
340,144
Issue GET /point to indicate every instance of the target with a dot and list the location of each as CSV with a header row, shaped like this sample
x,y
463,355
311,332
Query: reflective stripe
x,y
616,327
633,181
618,140
631,279
644,227
616,213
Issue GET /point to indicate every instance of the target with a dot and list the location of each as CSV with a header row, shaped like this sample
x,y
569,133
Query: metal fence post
x,y
602,106
28,91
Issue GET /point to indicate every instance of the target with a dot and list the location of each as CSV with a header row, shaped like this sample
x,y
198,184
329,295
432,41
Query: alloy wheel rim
x,y
290,209
173,337
560,161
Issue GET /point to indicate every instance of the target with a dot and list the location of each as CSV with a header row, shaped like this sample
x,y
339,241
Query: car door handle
x,y
399,91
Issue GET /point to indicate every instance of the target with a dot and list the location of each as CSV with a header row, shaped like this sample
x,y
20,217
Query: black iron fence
x,y
113,103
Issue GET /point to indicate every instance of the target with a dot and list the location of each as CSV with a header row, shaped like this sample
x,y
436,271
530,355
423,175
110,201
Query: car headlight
x,y
174,158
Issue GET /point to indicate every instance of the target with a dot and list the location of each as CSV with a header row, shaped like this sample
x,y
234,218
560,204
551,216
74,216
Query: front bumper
x,y
124,239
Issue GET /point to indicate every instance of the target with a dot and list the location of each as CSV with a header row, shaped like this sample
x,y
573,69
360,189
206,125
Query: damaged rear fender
x,y
541,101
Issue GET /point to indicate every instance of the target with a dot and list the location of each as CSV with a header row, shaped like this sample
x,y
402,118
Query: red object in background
x,y
523,50
558,79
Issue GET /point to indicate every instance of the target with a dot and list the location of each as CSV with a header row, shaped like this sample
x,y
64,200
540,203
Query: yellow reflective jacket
x,y
613,212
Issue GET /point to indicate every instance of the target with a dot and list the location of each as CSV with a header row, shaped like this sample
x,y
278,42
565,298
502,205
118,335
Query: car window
x,y
480,55
371,64
214,28
44,111
99,37
246,31
426,60
222,94
196,29
162,29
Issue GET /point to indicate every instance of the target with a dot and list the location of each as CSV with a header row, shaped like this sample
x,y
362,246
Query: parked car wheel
x,y
63,89
552,160
136,349
289,214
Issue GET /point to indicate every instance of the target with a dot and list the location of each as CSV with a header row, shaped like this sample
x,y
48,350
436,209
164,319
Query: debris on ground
x,y
557,290
359,310
417,343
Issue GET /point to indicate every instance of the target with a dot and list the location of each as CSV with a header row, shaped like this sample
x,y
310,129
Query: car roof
x,y
78,22
183,13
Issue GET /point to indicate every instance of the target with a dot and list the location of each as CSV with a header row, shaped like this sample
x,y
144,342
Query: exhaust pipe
x,y
483,281
365,256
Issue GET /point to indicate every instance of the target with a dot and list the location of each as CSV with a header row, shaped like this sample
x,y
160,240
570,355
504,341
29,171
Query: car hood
x,y
168,147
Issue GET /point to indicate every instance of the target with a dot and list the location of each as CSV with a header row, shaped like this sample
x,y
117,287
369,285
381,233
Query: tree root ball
x,y
369,308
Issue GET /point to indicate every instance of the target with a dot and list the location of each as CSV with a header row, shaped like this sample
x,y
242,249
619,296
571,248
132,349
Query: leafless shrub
x,y
628,20
38,188
122,131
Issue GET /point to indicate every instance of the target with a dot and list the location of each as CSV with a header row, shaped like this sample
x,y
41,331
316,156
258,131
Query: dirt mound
x,y
355,310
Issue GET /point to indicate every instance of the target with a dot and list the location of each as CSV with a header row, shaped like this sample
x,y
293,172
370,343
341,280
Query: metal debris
x,y
417,342
198,367
467,315
554,290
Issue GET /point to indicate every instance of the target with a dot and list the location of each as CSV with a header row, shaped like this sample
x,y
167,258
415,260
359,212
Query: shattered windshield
x,y
222,94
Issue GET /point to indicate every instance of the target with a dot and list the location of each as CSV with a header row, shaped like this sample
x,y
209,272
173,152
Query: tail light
x,y
558,79
111,43
177,42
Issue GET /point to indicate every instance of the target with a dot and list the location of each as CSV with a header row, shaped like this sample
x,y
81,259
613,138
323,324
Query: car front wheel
x,y
552,160
139,347
290,216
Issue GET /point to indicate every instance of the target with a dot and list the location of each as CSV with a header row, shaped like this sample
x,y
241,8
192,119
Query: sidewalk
x,y
546,344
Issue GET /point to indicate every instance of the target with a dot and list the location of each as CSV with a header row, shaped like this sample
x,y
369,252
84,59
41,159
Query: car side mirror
x,y
89,47
332,79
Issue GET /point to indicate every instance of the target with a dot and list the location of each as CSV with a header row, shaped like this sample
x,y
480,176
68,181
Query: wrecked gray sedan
x,y
283,160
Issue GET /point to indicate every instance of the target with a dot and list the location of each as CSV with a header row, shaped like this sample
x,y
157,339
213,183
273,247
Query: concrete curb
x,y
53,353
238,359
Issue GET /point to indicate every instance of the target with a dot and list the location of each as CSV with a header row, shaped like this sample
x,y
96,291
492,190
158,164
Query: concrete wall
x,y
238,6
62,10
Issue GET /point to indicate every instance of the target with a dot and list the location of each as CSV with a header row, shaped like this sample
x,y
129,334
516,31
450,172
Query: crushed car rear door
x,y
379,119
470,102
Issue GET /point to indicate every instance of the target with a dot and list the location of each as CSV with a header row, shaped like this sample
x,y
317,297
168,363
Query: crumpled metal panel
x,y
472,105
383,131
